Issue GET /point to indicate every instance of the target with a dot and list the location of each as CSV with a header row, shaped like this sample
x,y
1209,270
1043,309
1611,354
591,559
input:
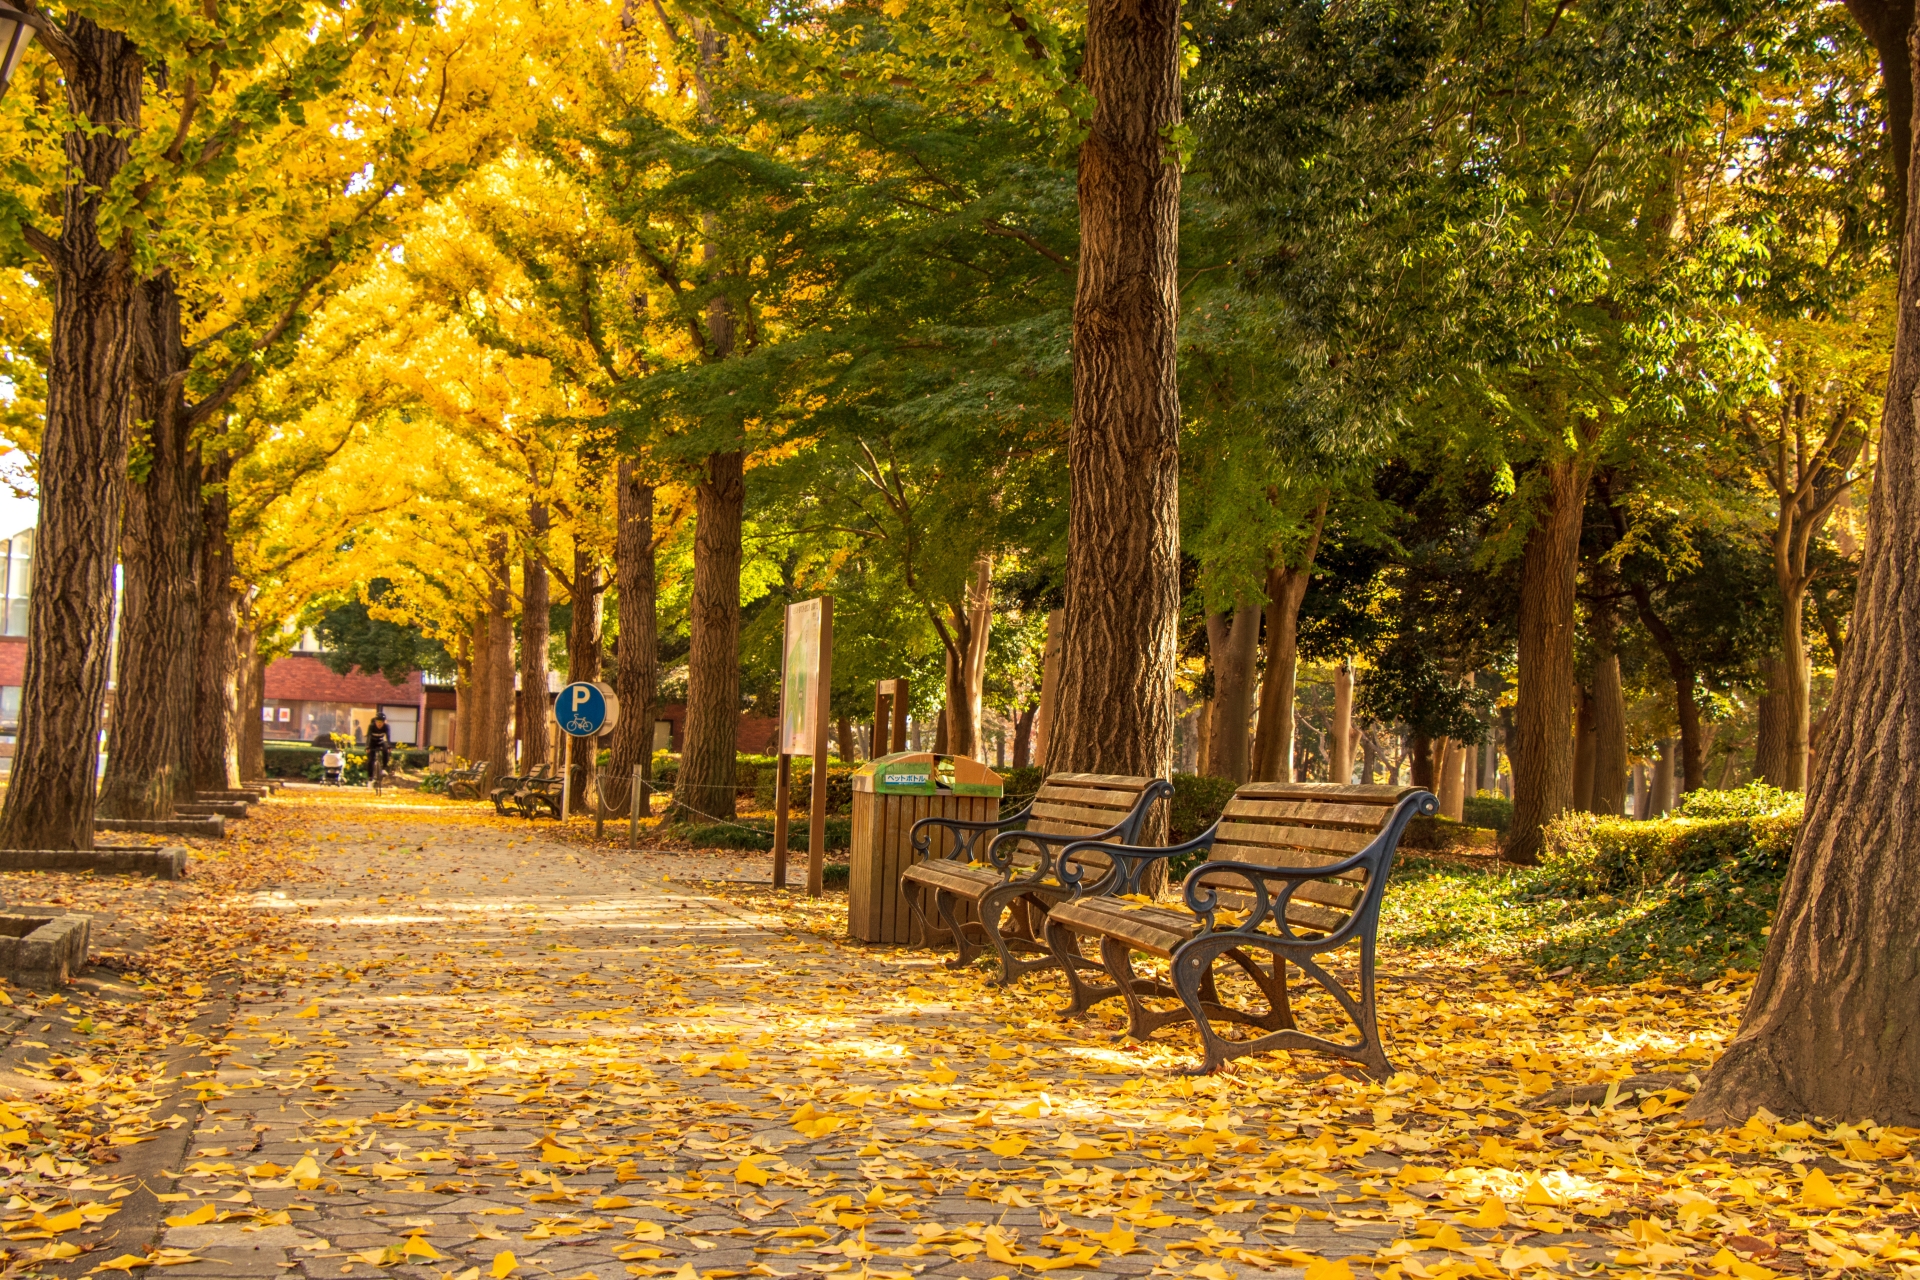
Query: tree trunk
x,y
1829,1029
83,463
1584,744
150,753
467,693
973,672
636,654
1452,794
494,738
1341,770
1233,648
1686,690
253,728
706,784
1774,757
1049,686
1788,685
534,708
1422,773
1273,741
1286,588
1114,713
843,737
216,748
1662,801
1609,721
1023,736
1369,757
583,656
1541,748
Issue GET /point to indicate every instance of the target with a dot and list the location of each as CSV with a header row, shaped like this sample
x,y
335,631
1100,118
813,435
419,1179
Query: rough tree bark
x,y
216,748
1233,648
533,709
83,460
1541,746
1286,588
1829,1029
466,692
964,632
1775,760
253,691
636,653
1023,735
583,655
1609,719
150,756
1584,741
1340,768
706,783
494,740
1114,712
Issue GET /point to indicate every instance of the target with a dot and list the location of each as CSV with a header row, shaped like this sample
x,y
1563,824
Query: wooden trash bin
x,y
890,794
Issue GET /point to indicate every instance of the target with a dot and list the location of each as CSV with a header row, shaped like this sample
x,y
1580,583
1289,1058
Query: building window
x,y
10,704
16,579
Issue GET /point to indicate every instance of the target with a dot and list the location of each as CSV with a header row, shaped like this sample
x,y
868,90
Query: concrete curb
x,y
169,863
214,828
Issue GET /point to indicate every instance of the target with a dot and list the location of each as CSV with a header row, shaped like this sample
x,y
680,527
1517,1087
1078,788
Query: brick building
x,y
302,699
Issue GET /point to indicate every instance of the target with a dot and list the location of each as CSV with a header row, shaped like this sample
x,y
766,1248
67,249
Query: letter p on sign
x,y
581,693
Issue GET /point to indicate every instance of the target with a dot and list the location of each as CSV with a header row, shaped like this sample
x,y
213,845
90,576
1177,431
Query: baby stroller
x,y
333,765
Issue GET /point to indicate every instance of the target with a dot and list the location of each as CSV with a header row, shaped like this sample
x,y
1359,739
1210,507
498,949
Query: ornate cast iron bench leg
x,y
1081,995
1016,900
966,950
1193,967
1142,1022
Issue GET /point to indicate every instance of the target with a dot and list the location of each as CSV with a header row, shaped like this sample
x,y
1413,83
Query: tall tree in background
x,y
1115,707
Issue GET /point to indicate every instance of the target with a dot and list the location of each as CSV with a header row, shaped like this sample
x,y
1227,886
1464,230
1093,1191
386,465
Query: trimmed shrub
x,y
1587,854
1020,784
800,792
1198,802
758,834
1487,810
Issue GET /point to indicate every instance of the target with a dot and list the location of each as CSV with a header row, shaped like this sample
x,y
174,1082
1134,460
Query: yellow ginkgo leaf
x,y
311,1011
1326,1269
1008,1148
125,1262
503,1265
750,1174
1492,1214
1818,1192
204,1213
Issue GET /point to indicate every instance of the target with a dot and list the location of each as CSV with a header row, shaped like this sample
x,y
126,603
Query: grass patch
x,y
1687,897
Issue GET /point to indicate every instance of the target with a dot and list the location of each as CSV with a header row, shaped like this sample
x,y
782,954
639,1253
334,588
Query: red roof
x,y
301,678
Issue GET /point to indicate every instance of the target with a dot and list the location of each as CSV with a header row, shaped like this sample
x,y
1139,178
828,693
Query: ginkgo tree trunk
x,y
82,471
1830,1030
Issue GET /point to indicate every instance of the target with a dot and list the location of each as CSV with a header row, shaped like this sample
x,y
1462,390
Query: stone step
x,y
168,863
249,794
208,808
214,827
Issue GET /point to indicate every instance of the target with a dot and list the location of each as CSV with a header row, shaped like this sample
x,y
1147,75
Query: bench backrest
x,y
1085,804
1303,824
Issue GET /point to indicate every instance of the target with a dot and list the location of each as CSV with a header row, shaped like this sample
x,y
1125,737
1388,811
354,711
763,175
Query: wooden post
x,y
633,811
900,704
782,800
566,776
1341,770
817,824
882,719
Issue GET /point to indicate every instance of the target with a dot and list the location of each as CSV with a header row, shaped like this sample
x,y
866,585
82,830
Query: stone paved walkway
x,y
491,1043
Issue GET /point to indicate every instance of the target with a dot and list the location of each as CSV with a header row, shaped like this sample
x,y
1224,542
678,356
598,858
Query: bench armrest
x,y
1129,861
966,833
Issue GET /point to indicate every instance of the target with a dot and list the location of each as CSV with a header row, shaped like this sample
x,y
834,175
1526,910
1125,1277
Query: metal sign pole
x,y
823,695
566,778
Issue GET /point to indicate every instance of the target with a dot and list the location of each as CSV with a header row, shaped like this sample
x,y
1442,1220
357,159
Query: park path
x,y
490,1049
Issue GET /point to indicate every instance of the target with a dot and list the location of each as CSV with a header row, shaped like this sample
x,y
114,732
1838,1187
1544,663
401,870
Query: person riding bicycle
x,y
379,746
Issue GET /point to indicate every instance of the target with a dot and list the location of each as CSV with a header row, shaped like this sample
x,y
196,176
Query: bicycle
x,y
377,771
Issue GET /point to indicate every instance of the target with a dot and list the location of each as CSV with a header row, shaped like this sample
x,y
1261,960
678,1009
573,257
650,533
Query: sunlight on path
x,y
497,1053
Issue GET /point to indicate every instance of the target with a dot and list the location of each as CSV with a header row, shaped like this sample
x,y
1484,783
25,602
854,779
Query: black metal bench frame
x,y
467,779
506,790
1035,890
1266,928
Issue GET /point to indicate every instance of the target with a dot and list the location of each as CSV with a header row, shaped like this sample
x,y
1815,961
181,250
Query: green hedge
x,y
1487,810
800,788
299,760
757,833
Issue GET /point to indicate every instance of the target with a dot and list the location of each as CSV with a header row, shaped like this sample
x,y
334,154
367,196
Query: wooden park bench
x,y
506,790
465,783
1017,874
1293,869
539,794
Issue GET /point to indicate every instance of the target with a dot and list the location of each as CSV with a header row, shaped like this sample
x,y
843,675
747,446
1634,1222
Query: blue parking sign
x,y
585,708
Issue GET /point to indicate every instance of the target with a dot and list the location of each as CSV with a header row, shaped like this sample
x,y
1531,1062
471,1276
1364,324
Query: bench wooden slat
x,y
1076,816
1352,793
1356,816
1106,781
1274,836
1288,857
1120,802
